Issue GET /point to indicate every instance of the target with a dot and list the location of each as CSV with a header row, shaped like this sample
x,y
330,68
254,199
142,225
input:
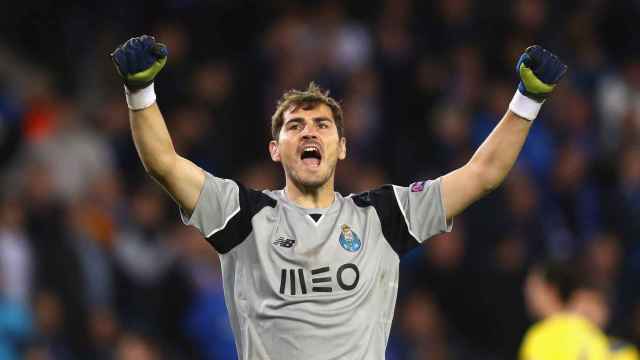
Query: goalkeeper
x,y
307,273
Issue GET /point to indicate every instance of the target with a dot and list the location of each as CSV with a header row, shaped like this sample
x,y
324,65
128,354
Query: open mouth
x,y
311,156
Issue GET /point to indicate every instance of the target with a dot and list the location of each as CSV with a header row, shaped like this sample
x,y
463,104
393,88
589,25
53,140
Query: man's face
x,y
308,145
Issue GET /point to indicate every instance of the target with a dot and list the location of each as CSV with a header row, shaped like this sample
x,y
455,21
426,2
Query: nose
x,y
309,132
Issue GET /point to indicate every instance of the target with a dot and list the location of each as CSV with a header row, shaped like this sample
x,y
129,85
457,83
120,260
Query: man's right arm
x,y
138,61
181,178
221,209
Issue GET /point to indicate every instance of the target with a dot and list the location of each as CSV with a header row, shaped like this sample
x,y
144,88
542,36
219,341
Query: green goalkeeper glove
x,y
539,71
139,60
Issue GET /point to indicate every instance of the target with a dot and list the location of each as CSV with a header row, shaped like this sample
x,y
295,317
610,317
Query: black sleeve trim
x,y
394,226
239,226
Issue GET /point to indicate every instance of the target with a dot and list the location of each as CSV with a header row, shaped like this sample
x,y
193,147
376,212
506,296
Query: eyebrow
x,y
297,120
315,119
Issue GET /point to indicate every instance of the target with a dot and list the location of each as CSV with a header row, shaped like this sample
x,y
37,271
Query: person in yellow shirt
x,y
570,310
622,350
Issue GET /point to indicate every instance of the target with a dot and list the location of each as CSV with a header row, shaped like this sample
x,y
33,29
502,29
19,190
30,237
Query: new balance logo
x,y
284,242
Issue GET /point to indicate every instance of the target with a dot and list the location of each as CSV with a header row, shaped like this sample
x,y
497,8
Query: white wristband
x,y
140,99
524,107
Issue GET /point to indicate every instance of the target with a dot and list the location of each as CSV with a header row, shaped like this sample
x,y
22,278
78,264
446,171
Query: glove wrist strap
x,y
524,106
140,99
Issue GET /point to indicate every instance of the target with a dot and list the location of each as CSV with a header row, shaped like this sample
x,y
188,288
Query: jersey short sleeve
x,y
408,215
422,208
224,211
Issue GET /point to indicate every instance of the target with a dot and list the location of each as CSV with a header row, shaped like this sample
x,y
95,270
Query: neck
x,y
310,197
590,306
550,308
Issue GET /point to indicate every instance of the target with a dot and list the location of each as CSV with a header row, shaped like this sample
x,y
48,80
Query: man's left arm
x,y
539,72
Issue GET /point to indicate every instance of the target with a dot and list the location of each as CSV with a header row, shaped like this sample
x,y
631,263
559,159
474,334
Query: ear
x,y
274,150
342,151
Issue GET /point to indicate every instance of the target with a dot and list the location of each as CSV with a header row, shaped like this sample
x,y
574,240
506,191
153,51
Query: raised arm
x,y
539,72
138,61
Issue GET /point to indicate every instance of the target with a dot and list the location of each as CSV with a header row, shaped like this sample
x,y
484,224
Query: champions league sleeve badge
x,y
348,239
417,186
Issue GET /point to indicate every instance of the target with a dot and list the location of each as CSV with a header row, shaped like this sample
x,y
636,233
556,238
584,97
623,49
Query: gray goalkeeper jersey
x,y
305,284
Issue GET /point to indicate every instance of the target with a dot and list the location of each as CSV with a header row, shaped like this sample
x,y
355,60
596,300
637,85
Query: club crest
x,y
348,239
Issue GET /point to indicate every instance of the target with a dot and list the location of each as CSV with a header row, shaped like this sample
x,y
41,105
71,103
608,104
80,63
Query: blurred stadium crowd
x,y
94,262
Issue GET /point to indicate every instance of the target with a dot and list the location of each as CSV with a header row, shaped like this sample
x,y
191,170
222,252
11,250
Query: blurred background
x,y
94,262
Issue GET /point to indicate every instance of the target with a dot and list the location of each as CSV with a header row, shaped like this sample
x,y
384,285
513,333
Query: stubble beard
x,y
313,184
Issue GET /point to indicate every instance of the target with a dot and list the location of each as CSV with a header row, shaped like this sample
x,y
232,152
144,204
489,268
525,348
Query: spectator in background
x,y
441,269
635,324
105,333
113,126
74,153
499,297
175,33
16,327
261,175
423,332
16,280
602,263
362,108
452,135
16,255
10,116
524,215
57,268
88,234
368,176
194,127
589,296
134,346
628,197
206,322
149,279
619,103
570,311
53,341
573,211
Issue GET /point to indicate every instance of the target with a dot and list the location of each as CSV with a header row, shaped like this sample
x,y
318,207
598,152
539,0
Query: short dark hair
x,y
313,96
565,277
